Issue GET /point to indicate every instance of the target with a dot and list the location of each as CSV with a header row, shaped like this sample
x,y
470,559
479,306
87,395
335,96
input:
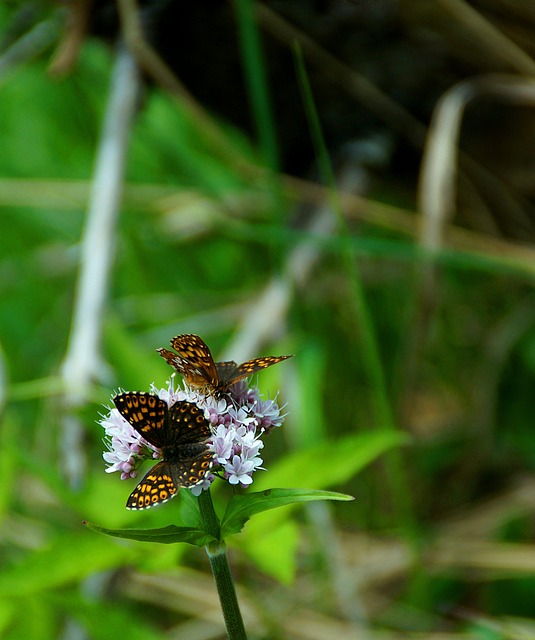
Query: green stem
x,y
257,84
221,571
370,355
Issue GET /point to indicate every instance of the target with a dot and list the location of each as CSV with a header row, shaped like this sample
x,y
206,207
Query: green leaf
x,y
69,558
189,510
346,457
163,535
242,507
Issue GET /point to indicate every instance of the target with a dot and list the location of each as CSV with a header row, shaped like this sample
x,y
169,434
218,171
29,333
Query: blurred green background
x,y
299,224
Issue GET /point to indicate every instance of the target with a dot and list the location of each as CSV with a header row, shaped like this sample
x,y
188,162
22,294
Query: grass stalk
x,y
369,354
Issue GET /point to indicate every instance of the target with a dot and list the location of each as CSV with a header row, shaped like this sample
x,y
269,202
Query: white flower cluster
x,y
238,420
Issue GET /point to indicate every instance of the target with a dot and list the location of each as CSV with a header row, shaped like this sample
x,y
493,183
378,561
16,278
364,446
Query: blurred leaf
x,y
311,427
242,507
34,619
8,610
8,461
164,535
70,558
103,621
102,497
482,631
331,463
274,550
37,388
137,366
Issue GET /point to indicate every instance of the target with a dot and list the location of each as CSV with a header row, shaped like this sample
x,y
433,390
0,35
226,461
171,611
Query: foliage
x,y
418,401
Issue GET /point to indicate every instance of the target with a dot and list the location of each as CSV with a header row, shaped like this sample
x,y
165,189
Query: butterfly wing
x,y
193,360
158,486
188,424
193,376
225,372
191,458
194,350
249,368
147,413
187,472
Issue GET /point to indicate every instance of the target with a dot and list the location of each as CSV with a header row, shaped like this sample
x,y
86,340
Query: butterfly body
x,y
182,451
194,361
180,433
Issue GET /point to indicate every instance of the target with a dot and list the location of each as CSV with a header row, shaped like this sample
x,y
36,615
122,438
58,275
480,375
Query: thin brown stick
x,y
73,38
346,78
495,41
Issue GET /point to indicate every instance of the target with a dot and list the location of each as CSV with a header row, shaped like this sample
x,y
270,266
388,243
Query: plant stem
x,y
217,555
369,354
257,84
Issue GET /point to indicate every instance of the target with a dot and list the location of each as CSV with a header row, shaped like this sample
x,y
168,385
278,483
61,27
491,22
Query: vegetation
x,y
407,300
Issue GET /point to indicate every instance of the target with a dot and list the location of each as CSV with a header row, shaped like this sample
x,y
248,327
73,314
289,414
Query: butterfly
x,y
180,432
193,360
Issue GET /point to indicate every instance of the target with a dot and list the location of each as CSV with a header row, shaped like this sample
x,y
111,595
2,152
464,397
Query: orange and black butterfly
x,y
180,432
194,361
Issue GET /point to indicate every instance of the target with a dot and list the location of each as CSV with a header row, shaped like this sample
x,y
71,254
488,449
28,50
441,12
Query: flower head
x,y
238,421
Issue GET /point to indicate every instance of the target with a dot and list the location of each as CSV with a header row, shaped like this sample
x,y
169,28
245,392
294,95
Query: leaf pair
x,y
239,510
